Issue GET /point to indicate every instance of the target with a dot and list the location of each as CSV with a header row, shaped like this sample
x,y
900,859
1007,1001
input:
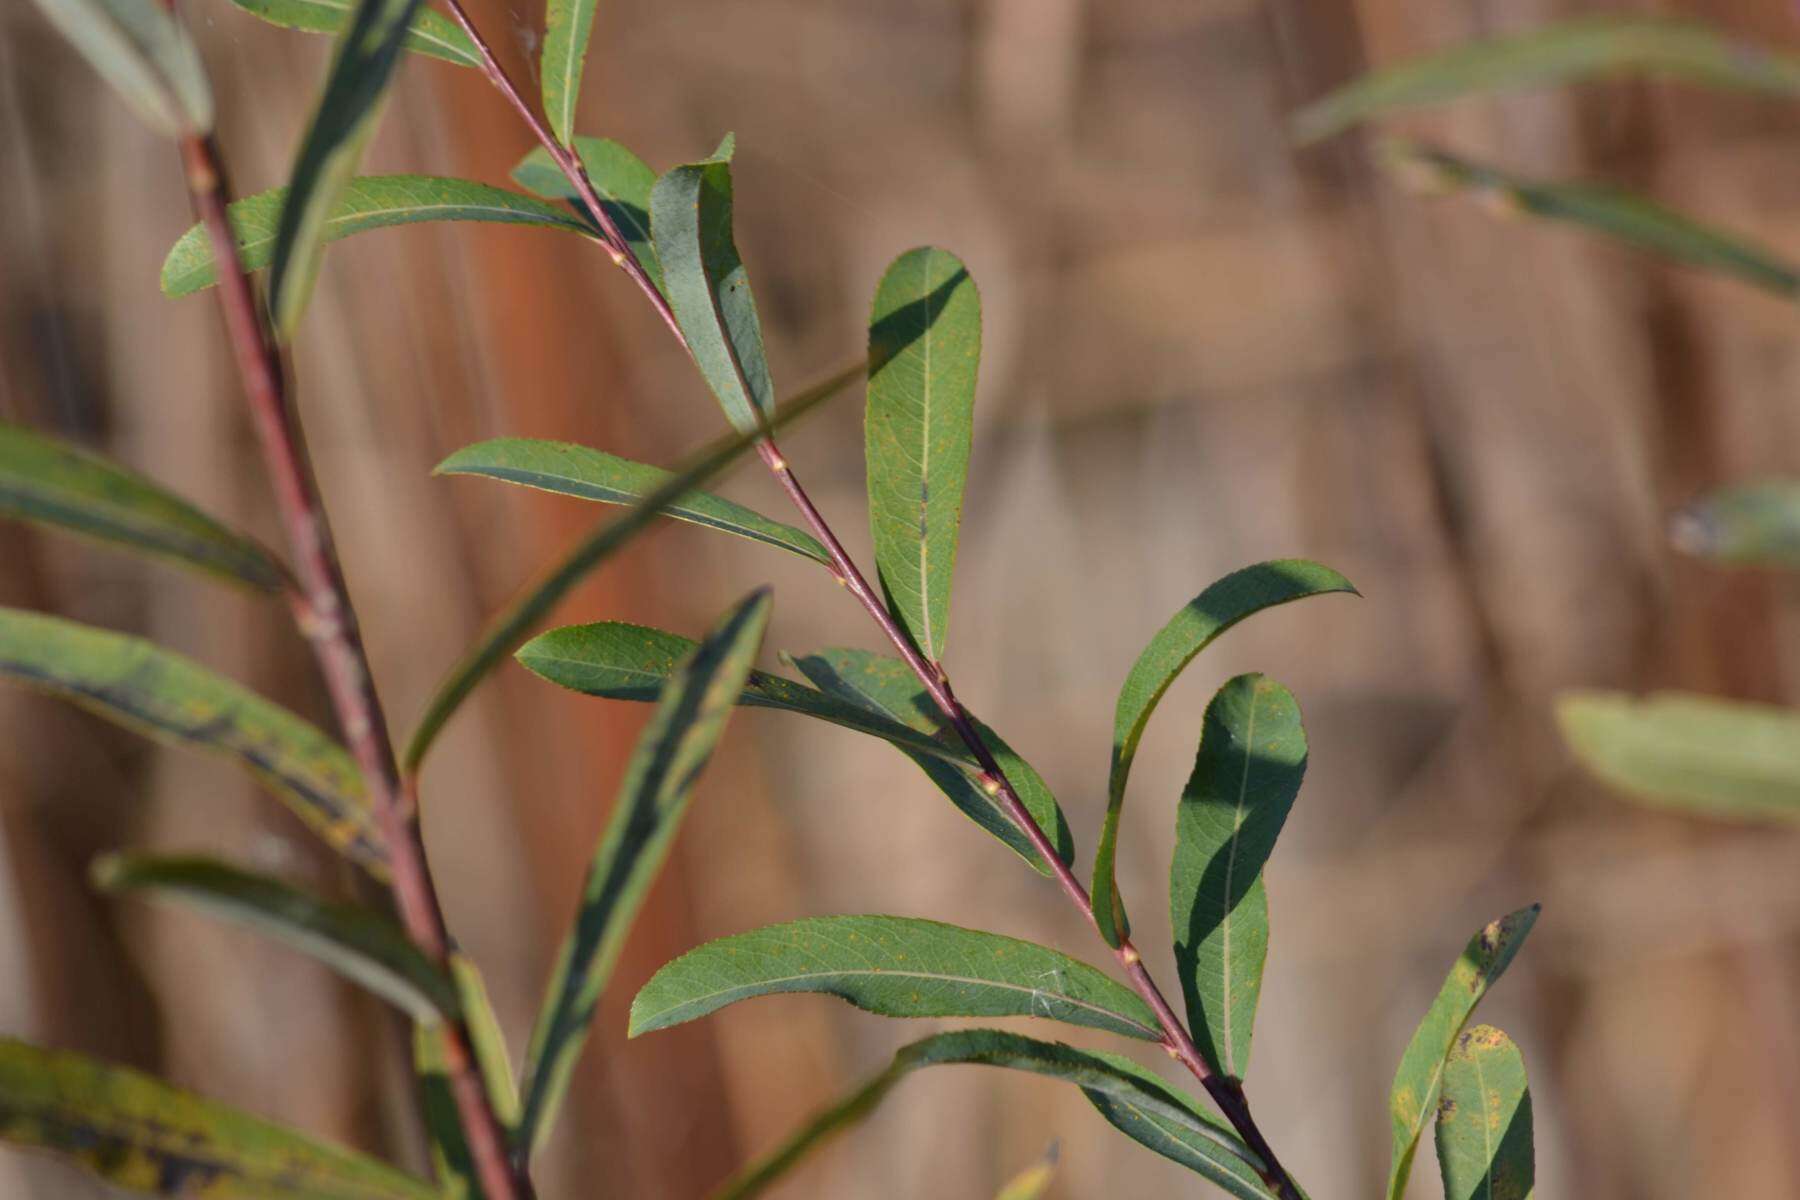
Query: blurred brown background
x,y
1203,349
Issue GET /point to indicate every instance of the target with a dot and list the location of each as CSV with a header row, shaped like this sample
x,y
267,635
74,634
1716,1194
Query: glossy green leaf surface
x,y
1692,753
1241,594
363,946
429,32
894,967
590,474
1754,524
369,202
690,716
1414,1097
709,288
142,50
888,688
1247,773
567,26
924,355
1563,52
177,701
46,480
144,1135
621,179
1484,1120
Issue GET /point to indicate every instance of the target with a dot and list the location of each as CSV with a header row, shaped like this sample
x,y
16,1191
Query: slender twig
x,y
1227,1092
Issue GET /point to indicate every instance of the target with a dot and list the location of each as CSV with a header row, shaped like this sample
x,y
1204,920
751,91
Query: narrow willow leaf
x,y
1564,52
143,1135
1414,1096
708,286
363,946
1757,524
1033,1181
369,202
567,25
429,32
514,624
486,1039
653,797
141,49
1484,1120
49,481
924,354
622,181
1252,757
1614,212
1117,1080
177,701
451,1162
617,661
888,688
1238,595
894,967
571,470
1692,753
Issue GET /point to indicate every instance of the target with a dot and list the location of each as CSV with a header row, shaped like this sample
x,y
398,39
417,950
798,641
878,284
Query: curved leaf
x,y
924,354
1238,595
1752,523
1484,1122
177,701
369,202
142,1134
894,967
622,181
567,26
653,797
141,49
590,474
1252,757
430,32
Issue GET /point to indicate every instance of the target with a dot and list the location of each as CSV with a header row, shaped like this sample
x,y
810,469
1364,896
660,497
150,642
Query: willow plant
x,y
672,236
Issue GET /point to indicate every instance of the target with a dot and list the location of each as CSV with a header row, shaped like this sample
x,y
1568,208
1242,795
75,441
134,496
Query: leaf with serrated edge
x,y
1484,1136
142,50
429,33
622,181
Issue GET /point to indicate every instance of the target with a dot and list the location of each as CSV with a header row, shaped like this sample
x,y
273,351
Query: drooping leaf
x,y
453,1166
49,481
144,1135
1252,757
1614,212
571,470
141,49
653,797
1563,52
709,288
894,967
369,202
1033,1181
621,179
514,624
1414,1096
924,354
888,688
1484,1139
429,32
1116,1085
1238,595
1756,524
567,25
177,701
1693,753
363,946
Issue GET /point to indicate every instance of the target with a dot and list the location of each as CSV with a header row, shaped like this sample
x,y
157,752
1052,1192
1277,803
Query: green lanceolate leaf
x,y
429,32
1238,595
49,481
486,1040
514,624
1484,1120
1252,757
1414,1096
363,946
141,49
894,967
175,700
1614,212
1204,1143
1692,753
1756,524
653,797
571,470
621,180
924,353
709,288
1564,52
889,689
143,1135
451,1163
1033,1181
370,202
567,24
